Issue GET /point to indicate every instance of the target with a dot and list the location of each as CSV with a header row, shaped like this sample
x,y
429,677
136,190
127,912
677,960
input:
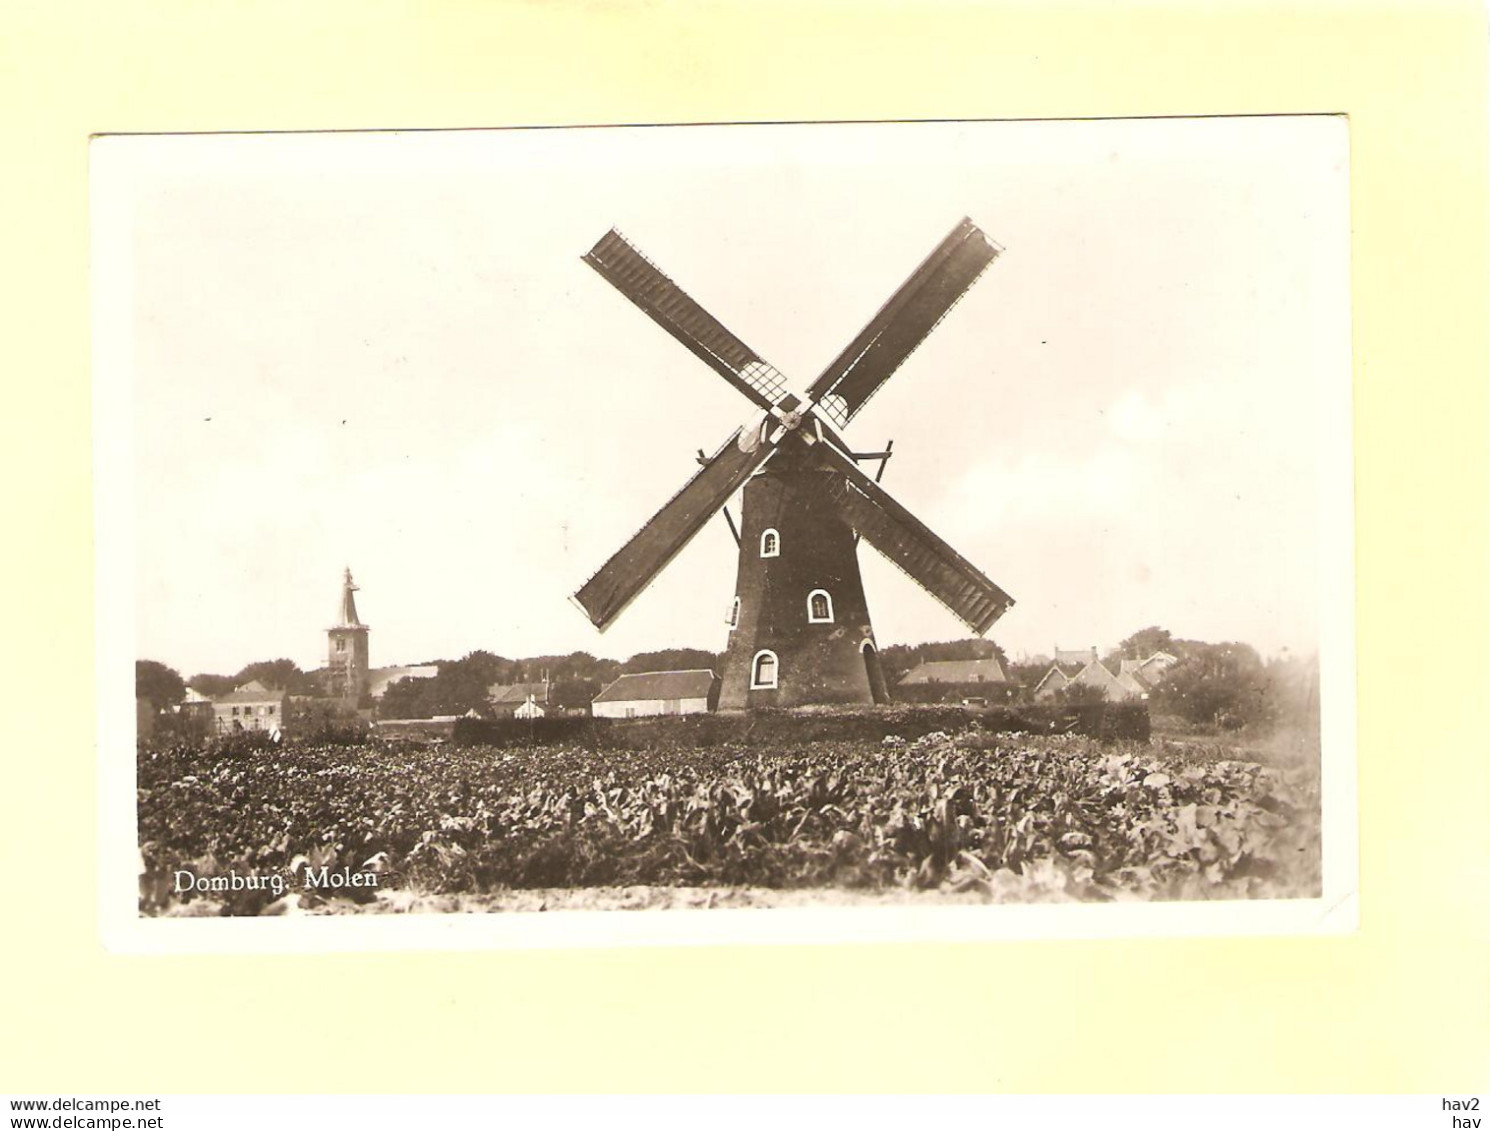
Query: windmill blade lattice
x,y
662,300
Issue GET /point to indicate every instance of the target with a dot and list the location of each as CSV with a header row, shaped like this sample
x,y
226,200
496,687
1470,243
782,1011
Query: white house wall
x,y
639,708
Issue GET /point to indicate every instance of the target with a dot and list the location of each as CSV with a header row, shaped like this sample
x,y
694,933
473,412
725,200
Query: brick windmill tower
x,y
346,648
800,628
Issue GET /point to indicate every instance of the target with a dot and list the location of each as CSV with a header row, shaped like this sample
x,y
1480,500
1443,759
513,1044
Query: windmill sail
x,y
666,303
903,322
911,545
632,568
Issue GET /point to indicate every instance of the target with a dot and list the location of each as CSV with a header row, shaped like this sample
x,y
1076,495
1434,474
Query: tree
x,y
1293,690
161,685
282,675
1080,694
672,660
483,667
576,667
572,693
463,684
210,685
1218,684
1026,677
1144,643
408,698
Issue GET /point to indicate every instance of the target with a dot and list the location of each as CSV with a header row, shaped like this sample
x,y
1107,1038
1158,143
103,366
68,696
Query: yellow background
x,y
1404,1004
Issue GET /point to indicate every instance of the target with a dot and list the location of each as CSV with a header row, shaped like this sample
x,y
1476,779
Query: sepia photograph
x,y
469,561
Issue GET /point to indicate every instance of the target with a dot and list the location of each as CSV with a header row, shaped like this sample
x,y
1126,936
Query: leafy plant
x,y
1011,817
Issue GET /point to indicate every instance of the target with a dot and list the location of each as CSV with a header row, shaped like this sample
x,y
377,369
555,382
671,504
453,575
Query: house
x,y
1135,679
1091,674
955,671
657,693
518,700
1155,666
1079,657
1095,674
1055,680
1132,679
966,681
250,707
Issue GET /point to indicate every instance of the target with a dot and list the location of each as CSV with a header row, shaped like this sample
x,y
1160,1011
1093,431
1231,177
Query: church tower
x,y
346,648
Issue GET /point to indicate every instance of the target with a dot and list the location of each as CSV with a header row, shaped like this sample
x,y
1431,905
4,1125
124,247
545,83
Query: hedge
x,y
1106,721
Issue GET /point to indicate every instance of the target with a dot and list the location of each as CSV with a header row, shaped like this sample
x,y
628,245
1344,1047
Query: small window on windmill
x,y
763,670
770,544
341,644
819,607
734,614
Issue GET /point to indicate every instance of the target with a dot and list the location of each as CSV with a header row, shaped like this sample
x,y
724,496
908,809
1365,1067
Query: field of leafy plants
x,y
972,815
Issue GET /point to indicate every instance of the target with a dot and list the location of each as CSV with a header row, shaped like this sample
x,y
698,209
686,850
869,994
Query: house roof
x,y
1095,675
1130,681
251,692
1075,655
1054,674
695,684
379,679
956,671
503,693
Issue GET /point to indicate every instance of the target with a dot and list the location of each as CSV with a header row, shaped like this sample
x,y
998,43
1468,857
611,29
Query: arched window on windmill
x,y
770,543
763,672
819,607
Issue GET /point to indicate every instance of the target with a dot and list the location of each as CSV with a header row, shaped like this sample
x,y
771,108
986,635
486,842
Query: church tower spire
x,y
348,604
348,675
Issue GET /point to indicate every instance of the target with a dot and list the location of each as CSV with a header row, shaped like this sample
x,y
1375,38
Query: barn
x,y
952,681
657,693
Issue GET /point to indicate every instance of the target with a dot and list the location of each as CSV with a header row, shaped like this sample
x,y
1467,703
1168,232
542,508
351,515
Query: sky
x,y
383,351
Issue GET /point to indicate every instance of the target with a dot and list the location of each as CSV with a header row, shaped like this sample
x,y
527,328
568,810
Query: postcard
x,y
482,586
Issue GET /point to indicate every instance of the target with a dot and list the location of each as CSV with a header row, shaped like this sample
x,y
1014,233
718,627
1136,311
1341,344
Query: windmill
x,y
799,624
